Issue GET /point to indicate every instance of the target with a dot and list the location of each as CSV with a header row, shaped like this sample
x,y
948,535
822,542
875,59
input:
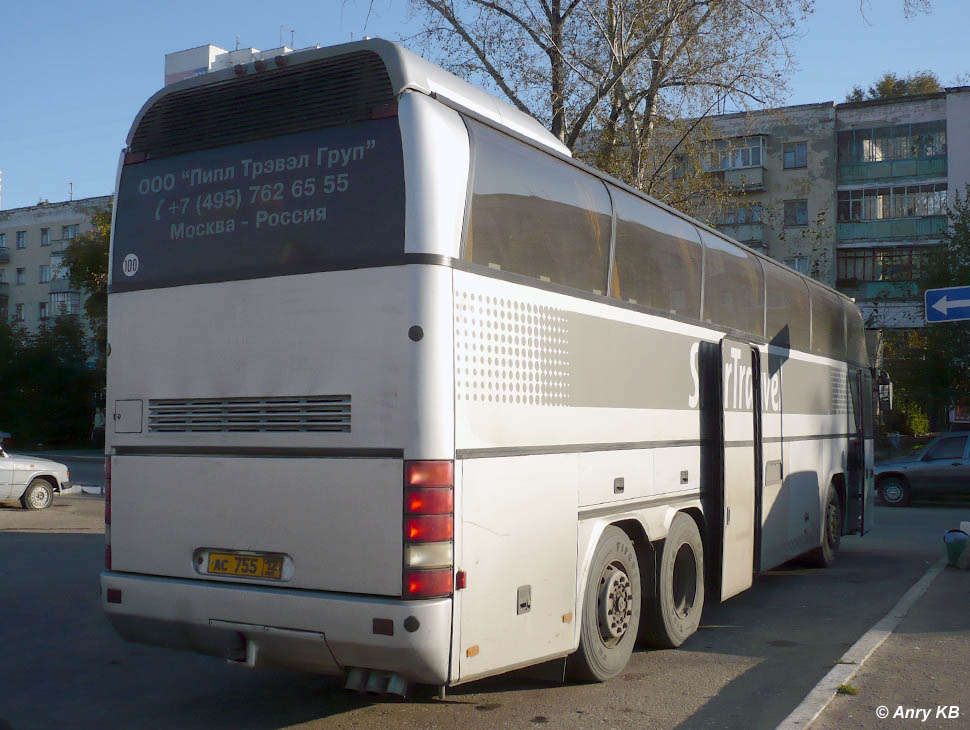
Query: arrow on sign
x,y
942,305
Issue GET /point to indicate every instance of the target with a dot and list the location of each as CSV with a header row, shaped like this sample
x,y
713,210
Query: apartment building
x,y
853,194
34,284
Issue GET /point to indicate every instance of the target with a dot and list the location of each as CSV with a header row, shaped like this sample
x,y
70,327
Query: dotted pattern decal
x,y
839,401
509,351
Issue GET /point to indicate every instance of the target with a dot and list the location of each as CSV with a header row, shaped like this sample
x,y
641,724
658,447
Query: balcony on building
x,y
889,153
739,162
750,234
61,285
931,226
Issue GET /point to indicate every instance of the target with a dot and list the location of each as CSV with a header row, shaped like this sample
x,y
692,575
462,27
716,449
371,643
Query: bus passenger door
x,y
855,458
741,464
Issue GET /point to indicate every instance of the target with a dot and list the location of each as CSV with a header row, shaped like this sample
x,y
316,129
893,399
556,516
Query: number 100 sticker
x,y
130,265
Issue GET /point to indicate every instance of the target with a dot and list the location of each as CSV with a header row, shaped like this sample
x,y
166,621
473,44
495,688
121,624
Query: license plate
x,y
246,566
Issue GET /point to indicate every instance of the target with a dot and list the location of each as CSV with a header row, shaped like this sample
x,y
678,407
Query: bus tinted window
x,y
828,323
658,257
286,205
734,288
535,215
788,310
855,335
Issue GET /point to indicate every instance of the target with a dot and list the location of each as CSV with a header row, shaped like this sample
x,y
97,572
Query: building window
x,y
42,310
3,240
899,263
21,275
799,264
69,232
796,213
897,201
45,273
3,275
795,155
732,154
45,236
900,142
21,239
18,313
66,302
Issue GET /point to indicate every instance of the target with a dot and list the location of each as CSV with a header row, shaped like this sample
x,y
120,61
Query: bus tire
x,y
611,610
824,555
673,611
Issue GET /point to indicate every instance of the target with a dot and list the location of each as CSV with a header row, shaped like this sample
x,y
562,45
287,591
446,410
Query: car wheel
x,y
39,495
824,555
611,610
894,491
673,610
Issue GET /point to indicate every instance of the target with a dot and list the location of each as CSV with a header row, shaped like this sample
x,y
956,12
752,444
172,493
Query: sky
x,y
74,75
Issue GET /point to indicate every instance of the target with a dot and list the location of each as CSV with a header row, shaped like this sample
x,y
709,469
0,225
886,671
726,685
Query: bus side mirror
x,y
885,386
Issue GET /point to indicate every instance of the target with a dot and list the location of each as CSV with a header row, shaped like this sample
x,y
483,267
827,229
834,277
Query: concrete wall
x,y
958,140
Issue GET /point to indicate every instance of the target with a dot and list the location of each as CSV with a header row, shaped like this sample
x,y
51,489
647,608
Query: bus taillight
x,y
429,527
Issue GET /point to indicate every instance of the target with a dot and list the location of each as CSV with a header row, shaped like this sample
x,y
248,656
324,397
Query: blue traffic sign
x,y
947,305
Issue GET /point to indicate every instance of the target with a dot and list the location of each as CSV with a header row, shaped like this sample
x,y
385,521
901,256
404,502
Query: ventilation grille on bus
x,y
301,98
306,413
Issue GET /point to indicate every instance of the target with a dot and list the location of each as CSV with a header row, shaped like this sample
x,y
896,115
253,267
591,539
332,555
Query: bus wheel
x,y
673,611
824,555
611,610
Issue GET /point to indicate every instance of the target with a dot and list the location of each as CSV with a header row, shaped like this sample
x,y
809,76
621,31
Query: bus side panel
x,y
519,554
814,447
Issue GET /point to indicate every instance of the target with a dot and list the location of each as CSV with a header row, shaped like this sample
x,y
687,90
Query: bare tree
x,y
611,78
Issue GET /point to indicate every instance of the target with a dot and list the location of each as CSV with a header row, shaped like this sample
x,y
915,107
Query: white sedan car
x,y
30,480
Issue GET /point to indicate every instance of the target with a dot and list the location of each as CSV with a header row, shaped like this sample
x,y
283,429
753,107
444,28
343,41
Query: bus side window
x,y
828,323
788,314
734,287
535,215
658,257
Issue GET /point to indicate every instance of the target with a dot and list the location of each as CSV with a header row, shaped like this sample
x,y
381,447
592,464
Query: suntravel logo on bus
x,y
737,381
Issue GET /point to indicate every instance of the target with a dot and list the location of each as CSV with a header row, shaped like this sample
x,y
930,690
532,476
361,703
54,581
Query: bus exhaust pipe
x,y
364,681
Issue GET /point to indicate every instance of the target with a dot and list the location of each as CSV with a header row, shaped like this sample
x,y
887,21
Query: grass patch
x,y
846,689
841,661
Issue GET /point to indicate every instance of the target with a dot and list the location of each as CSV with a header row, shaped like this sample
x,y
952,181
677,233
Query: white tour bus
x,y
402,392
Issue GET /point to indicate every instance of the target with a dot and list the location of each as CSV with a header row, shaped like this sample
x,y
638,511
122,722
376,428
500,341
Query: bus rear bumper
x,y
316,631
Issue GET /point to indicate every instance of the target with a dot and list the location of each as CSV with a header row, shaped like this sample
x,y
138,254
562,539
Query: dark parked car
x,y
943,467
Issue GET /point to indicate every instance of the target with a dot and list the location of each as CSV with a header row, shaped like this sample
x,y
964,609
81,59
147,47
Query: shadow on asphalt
x,y
791,627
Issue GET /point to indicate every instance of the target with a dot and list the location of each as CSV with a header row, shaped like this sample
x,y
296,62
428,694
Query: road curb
x,y
822,694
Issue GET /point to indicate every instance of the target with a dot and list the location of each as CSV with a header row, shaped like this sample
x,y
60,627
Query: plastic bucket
x,y
955,542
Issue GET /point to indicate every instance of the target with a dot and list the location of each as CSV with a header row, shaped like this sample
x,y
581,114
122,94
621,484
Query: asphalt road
x,y
752,662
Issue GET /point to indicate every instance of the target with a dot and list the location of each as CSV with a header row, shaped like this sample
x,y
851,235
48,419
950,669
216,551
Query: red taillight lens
x,y
429,473
429,501
428,583
107,490
432,528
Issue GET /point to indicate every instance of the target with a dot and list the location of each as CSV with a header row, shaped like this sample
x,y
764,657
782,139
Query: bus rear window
x,y
314,201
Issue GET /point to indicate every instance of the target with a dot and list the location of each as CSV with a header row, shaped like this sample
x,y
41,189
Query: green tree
x,y
891,86
87,260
